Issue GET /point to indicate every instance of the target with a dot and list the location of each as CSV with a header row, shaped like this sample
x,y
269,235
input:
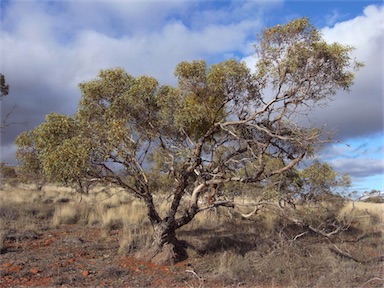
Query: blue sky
x,y
48,47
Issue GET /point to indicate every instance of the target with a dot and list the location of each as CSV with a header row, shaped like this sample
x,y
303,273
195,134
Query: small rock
x,y
35,270
85,273
72,240
15,268
49,242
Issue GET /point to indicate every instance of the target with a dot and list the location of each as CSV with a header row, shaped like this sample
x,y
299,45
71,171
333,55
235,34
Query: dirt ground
x,y
255,252
74,257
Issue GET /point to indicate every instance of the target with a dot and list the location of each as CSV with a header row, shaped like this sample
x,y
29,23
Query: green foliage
x,y
60,150
320,175
205,91
285,185
294,58
28,155
52,151
320,179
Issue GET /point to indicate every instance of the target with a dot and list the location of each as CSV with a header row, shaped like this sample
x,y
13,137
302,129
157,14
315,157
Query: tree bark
x,y
166,248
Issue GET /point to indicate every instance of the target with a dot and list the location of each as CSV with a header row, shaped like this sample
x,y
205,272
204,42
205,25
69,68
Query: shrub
x,y
374,199
7,172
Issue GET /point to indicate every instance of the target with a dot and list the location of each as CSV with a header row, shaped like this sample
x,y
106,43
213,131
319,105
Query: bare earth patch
x,y
73,256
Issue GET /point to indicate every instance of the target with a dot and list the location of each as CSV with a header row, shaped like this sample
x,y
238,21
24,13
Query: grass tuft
x,y
65,214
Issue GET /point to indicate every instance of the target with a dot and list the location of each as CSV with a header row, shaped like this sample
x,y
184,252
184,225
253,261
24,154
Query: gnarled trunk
x,y
166,248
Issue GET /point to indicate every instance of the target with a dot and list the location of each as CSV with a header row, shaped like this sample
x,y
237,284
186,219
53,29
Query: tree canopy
x,y
221,124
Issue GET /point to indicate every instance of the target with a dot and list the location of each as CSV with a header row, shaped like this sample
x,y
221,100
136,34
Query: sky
x,y
48,47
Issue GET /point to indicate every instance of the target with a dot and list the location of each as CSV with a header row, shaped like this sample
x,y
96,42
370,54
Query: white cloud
x,y
358,31
48,48
362,167
332,17
360,112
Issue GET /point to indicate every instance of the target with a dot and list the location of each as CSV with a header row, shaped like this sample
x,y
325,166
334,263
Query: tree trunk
x,y
166,248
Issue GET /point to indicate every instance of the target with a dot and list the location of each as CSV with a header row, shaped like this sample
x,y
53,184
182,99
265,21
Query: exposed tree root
x,y
169,254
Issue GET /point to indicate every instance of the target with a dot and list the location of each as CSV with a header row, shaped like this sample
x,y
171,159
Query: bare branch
x,y
194,273
250,214
339,252
290,165
224,203
5,123
327,235
196,192
373,279
300,235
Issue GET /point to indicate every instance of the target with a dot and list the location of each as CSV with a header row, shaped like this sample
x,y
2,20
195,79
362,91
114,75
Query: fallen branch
x,y
249,214
194,273
341,253
344,254
337,230
256,205
300,235
373,279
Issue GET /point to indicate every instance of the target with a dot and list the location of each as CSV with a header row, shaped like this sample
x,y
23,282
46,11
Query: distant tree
x,y
7,175
4,90
320,180
4,87
7,171
220,125
373,196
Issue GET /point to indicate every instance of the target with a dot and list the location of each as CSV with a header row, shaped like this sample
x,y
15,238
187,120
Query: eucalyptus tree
x,y
320,180
221,124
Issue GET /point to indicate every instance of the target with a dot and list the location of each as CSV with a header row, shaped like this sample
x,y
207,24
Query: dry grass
x,y
137,232
374,208
135,238
66,214
231,265
265,249
366,214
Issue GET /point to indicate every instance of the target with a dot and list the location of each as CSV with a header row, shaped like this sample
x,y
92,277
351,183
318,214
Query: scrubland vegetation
x,y
196,185
224,248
